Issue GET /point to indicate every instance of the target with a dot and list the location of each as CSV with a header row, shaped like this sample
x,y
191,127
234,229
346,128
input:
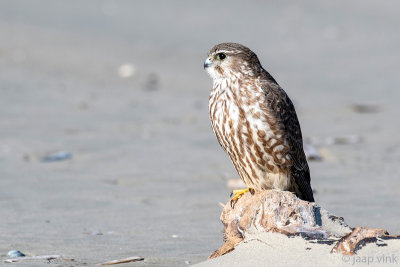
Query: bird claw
x,y
237,194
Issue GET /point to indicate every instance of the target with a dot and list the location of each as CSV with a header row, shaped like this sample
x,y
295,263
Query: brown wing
x,y
283,109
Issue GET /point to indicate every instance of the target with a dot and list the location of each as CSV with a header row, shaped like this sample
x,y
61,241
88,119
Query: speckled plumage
x,y
255,122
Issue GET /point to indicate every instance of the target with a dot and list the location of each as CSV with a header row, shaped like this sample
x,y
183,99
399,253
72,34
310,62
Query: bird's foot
x,y
237,194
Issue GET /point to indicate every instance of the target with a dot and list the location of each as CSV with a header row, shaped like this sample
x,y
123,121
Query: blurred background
x,y
106,149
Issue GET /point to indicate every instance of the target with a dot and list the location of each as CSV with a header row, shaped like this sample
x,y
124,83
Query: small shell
x,y
15,254
130,259
57,156
311,152
126,70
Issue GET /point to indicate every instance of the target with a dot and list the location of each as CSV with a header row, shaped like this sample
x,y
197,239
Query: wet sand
x,y
146,173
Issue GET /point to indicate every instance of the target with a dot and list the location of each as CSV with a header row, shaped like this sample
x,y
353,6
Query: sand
x,y
271,249
146,173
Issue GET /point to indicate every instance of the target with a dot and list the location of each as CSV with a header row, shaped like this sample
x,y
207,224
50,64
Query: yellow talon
x,y
237,194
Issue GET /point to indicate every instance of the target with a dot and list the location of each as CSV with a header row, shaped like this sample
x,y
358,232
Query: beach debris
x,y
96,232
344,140
42,257
93,232
126,260
282,212
365,108
126,70
187,262
57,156
174,236
311,152
152,82
359,237
278,212
15,254
334,140
26,157
83,105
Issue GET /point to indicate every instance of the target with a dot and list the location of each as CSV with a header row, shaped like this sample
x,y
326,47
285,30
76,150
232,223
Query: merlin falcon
x,y
255,123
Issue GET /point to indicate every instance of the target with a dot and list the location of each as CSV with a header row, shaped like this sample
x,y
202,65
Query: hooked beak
x,y
207,63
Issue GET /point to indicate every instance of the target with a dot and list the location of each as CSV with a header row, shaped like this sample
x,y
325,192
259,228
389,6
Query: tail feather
x,y
302,179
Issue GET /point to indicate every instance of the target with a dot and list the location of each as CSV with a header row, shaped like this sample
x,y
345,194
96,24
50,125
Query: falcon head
x,y
230,59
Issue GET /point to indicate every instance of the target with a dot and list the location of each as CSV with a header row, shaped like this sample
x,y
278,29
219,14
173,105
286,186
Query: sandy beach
x,y
118,90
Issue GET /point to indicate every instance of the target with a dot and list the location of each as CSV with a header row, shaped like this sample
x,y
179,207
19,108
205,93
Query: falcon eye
x,y
220,56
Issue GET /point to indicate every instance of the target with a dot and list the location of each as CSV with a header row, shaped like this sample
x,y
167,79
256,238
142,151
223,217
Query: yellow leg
x,y
238,194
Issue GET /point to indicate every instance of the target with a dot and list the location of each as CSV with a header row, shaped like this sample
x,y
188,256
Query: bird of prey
x,y
255,123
